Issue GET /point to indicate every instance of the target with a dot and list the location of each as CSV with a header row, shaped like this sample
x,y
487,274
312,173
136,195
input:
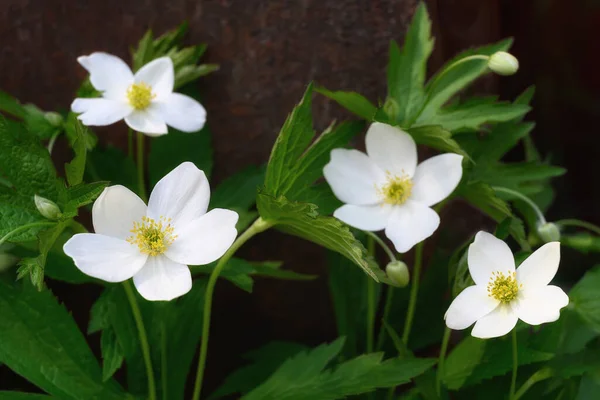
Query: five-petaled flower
x,y
155,243
145,100
385,189
502,295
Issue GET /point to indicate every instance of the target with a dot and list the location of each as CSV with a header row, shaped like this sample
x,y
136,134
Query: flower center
x,y
503,288
397,189
140,95
153,238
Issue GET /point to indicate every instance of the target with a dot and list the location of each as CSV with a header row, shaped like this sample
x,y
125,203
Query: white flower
x,y
154,244
501,295
385,189
145,100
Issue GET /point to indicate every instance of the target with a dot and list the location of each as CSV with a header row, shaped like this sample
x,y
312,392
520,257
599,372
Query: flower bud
x,y
503,63
391,108
54,119
548,232
46,207
397,271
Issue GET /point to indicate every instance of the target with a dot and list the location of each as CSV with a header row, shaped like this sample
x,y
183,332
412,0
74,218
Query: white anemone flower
x,y
155,243
386,189
145,99
502,295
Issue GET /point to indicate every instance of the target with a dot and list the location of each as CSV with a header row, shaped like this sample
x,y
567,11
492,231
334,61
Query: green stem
x,y
258,226
579,224
386,312
538,376
536,209
371,299
414,291
52,141
384,246
442,359
137,315
140,166
130,143
76,227
513,381
23,228
163,359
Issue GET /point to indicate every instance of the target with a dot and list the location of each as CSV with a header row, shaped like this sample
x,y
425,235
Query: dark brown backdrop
x,y
268,51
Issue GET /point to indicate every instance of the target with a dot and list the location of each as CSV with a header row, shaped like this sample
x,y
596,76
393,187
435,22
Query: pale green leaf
x,y
353,102
436,137
585,299
112,355
76,168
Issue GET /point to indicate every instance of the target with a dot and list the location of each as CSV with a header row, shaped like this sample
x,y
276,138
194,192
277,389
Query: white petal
x,y
163,279
392,149
353,177
540,305
159,75
182,195
205,239
470,305
104,257
488,254
495,324
410,224
366,218
100,112
115,211
147,121
436,178
108,74
181,112
540,267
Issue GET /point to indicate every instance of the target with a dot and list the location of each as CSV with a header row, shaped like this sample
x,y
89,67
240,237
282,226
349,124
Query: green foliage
x,y
112,354
111,164
437,137
40,341
353,102
304,376
23,396
585,300
75,169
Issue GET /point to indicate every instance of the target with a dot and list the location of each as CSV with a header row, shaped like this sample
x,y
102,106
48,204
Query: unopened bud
x,y
397,271
55,119
548,232
503,63
391,108
46,207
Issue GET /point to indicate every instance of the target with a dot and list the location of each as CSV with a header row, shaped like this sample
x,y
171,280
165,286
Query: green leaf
x,y
84,194
10,105
37,123
40,341
75,169
303,220
457,78
189,73
501,138
353,102
111,164
168,151
304,377
112,355
23,396
407,68
264,361
585,300
436,137
525,177
474,360
239,190
582,242
473,115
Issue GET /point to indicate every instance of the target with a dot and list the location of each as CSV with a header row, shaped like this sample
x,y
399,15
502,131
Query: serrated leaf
x,y
40,341
436,137
585,300
84,194
265,361
407,67
303,220
168,151
239,190
75,169
112,355
501,138
189,73
525,177
352,101
474,360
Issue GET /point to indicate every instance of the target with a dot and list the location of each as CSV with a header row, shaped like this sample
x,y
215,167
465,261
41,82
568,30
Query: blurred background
x,y
268,51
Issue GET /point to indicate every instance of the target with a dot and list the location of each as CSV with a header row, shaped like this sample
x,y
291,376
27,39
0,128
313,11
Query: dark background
x,y
268,51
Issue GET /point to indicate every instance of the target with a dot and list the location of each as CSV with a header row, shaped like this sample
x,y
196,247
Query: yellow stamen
x,y
140,95
397,189
153,238
503,288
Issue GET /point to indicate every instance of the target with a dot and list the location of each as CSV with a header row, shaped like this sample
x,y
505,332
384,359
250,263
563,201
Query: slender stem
x,y
539,213
384,246
130,143
579,224
386,312
538,376
513,381
414,291
163,359
258,226
52,140
137,315
442,359
77,227
23,228
371,300
140,166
